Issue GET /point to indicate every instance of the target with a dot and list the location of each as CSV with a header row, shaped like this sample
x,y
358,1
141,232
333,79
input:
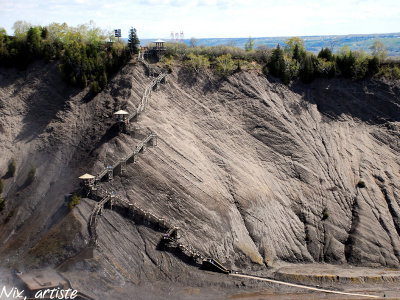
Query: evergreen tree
x,y
326,54
373,66
33,41
45,33
296,53
277,65
345,61
133,41
307,69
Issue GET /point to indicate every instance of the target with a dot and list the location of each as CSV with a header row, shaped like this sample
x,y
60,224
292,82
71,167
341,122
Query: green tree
x,y
345,61
33,41
45,33
4,53
103,80
291,44
326,54
133,41
278,66
296,53
360,66
307,69
373,66
379,50
249,44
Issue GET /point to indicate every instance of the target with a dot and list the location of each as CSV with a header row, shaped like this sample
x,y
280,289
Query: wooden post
x,y
122,166
154,141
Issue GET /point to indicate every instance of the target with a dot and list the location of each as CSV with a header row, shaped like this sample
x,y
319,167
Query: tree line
x,y
86,54
288,62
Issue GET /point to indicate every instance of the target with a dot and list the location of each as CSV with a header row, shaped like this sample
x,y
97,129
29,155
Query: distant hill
x,y
312,43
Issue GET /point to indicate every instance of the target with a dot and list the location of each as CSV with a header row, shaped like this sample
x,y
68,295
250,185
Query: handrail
x,y
138,148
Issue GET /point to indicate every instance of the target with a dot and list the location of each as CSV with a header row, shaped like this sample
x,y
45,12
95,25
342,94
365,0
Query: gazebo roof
x,y
159,41
86,176
121,112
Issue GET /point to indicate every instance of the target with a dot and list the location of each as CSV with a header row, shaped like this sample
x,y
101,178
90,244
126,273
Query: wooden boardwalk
x,y
170,239
132,156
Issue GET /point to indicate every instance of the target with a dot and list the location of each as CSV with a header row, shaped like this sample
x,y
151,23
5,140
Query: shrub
x,y
325,214
265,70
1,186
168,63
396,72
197,62
9,216
361,184
225,65
31,176
75,200
12,167
95,88
2,204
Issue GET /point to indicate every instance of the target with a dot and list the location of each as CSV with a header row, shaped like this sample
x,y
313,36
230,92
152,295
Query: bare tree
x,y
193,42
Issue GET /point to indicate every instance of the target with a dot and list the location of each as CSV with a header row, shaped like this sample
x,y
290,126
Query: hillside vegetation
x,y
85,57
289,63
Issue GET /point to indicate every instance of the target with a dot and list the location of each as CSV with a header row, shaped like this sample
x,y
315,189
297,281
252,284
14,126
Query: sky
x,y
212,18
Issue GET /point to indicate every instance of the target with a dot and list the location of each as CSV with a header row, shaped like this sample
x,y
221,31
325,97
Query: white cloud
x,y
213,18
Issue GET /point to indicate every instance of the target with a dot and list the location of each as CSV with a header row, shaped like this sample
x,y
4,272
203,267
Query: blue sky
x,y
212,18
